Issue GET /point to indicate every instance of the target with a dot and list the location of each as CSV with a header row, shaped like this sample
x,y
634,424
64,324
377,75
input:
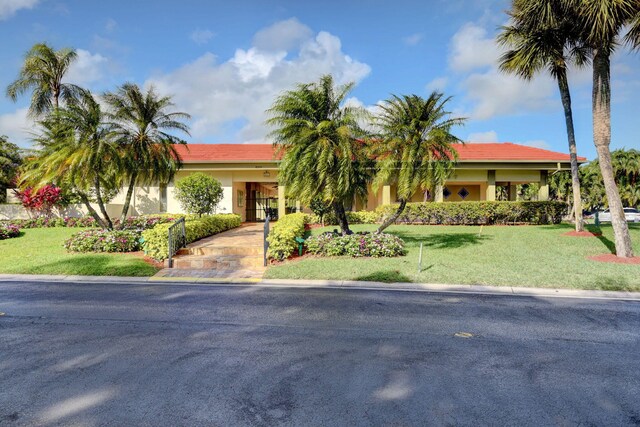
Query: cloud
x,y
489,136
17,126
536,143
87,68
471,49
9,7
437,84
283,35
413,39
201,36
110,25
228,99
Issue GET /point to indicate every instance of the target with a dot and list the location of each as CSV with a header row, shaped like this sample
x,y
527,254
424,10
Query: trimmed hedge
x,y
356,217
104,241
142,222
155,240
9,231
356,245
476,213
283,233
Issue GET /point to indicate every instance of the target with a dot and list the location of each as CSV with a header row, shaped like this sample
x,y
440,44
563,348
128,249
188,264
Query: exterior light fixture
x,y
266,174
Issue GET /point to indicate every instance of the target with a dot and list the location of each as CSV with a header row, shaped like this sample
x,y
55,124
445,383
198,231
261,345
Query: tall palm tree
x,y
317,136
542,36
602,23
142,122
78,150
415,148
42,73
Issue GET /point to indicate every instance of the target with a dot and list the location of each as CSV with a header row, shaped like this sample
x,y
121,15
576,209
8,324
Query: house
x,y
249,176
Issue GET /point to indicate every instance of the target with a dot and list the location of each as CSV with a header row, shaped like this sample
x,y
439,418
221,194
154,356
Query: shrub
x,y
142,222
320,208
355,217
282,236
356,245
476,213
8,231
198,193
42,201
155,240
104,241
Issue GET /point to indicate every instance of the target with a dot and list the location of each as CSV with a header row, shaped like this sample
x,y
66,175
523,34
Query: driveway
x,y
119,354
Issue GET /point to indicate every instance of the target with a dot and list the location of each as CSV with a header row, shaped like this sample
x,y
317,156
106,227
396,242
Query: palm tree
x,y
542,36
142,122
42,72
414,149
601,23
317,136
78,151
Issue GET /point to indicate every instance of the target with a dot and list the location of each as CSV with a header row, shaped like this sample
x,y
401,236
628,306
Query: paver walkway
x,y
236,253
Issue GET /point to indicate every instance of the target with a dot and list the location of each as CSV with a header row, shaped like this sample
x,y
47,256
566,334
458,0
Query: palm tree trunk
x,y
127,199
85,199
602,138
341,215
392,218
563,85
103,210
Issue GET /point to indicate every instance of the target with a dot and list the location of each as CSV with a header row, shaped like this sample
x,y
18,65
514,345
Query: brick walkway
x,y
233,254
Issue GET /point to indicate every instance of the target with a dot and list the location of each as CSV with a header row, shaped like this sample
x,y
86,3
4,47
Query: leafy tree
x,y
142,122
317,136
601,24
542,35
321,208
42,73
199,193
415,147
10,161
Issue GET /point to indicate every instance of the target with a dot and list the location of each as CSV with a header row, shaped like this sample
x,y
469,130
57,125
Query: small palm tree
x,y
42,72
601,24
317,136
414,149
142,122
542,36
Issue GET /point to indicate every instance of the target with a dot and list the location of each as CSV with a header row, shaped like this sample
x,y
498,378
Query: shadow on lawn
x,y
444,241
95,265
388,276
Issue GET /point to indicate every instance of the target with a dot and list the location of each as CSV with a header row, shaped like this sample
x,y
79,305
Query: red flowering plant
x,y
41,202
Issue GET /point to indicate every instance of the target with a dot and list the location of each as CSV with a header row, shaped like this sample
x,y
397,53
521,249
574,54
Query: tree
x,y
321,208
542,36
78,151
42,73
199,193
317,136
415,147
601,24
10,161
142,122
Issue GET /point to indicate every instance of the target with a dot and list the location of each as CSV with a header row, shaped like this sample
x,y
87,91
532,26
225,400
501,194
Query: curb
x,y
337,284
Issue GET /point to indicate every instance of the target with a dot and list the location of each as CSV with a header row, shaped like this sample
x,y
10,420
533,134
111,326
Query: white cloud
x,y
221,95
17,126
439,84
9,7
489,136
201,36
471,49
413,39
283,35
87,68
536,143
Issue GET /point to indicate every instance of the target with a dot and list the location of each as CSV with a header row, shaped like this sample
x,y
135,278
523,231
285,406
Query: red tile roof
x,y
470,152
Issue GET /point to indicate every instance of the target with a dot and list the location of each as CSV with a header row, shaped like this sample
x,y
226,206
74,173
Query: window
x,y
463,193
446,193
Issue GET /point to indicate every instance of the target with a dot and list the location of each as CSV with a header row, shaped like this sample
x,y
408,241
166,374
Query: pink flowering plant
x,y
8,231
104,241
356,245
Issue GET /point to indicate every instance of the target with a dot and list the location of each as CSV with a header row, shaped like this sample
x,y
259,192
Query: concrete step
x,y
223,250
221,262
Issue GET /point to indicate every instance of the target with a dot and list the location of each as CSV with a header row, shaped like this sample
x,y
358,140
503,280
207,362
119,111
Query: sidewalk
x,y
335,284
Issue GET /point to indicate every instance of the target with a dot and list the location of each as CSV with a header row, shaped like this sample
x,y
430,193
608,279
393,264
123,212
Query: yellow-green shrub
x,y
282,236
155,241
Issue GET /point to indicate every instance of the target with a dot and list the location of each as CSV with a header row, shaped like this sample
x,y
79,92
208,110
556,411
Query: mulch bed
x,y
615,259
582,234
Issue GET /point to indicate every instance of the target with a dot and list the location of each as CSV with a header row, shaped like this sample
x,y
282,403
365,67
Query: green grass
x,y
538,256
40,251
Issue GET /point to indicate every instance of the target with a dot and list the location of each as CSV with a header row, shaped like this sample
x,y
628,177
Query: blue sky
x,y
224,62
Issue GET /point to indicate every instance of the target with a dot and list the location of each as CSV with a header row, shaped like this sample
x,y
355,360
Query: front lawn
x,y
40,251
538,256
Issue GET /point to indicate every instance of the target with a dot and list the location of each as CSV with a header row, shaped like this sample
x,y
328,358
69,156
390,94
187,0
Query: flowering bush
x,y
104,241
41,202
8,231
44,222
356,245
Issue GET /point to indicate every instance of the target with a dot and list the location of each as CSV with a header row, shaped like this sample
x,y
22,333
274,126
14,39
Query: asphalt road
x,y
125,355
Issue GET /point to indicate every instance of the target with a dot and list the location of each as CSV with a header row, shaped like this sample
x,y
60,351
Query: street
x,y
154,354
